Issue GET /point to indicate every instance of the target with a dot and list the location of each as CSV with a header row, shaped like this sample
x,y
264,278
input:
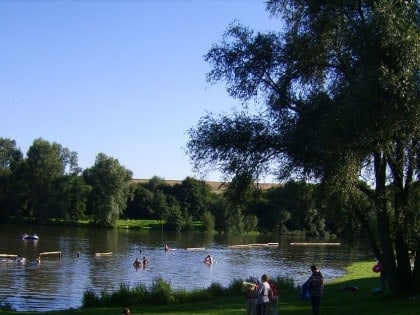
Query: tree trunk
x,y
405,276
365,225
396,160
406,282
383,223
416,269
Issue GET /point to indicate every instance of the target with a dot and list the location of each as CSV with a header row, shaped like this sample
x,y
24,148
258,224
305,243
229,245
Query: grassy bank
x,y
150,225
135,224
336,301
139,224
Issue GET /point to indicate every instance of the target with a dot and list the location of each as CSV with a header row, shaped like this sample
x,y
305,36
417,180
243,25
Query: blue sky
x,y
125,78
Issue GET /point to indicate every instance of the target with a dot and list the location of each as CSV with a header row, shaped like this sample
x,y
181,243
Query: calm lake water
x,y
56,284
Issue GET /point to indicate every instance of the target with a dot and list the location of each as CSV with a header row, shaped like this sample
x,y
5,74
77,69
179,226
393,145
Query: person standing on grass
x,y
249,289
263,292
316,288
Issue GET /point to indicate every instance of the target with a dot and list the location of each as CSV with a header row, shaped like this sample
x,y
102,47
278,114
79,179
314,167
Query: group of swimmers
x,y
139,263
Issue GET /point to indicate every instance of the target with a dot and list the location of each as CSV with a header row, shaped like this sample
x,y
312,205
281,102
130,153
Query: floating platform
x,y
254,245
103,254
51,253
315,244
195,248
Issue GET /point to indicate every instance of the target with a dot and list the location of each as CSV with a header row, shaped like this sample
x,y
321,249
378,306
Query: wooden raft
x,y
195,248
315,244
51,253
8,256
254,245
103,254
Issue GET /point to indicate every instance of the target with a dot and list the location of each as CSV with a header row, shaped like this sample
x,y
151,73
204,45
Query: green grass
x,y
149,224
335,301
139,224
134,224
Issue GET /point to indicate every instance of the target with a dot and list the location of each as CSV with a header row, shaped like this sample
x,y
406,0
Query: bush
x,y
90,299
160,292
216,290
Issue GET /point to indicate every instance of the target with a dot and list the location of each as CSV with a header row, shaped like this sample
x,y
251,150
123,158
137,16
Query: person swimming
x,y
137,263
208,259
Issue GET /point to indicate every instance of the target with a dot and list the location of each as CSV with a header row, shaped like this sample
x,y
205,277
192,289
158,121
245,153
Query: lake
x,y
56,284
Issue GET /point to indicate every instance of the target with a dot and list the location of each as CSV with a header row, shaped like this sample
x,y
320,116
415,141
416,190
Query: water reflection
x,y
59,284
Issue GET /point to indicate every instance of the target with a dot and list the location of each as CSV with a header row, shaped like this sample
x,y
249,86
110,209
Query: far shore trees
x,y
70,195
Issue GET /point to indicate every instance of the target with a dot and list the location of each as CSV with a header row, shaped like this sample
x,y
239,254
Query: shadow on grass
x,y
365,300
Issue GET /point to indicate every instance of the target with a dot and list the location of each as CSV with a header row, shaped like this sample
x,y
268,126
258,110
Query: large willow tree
x,y
110,183
337,94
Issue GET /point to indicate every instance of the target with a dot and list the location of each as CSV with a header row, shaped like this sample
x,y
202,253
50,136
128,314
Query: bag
x,y
270,295
305,293
378,267
273,294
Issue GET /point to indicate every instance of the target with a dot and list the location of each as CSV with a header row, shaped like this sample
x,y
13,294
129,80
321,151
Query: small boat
x,y
30,237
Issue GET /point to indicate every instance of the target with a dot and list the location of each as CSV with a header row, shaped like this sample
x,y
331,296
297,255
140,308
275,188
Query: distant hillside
x,y
216,186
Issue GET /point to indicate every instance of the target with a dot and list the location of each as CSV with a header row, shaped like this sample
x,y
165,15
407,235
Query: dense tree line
x,y
336,91
48,185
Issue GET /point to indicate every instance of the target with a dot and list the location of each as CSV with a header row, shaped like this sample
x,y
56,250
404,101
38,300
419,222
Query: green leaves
x,y
110,189
337,98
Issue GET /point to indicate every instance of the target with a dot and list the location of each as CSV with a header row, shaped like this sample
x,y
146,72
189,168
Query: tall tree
x,y
46,164
297,201
10,159
194,196
341,87
10,155
110,184
141,204
71,197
